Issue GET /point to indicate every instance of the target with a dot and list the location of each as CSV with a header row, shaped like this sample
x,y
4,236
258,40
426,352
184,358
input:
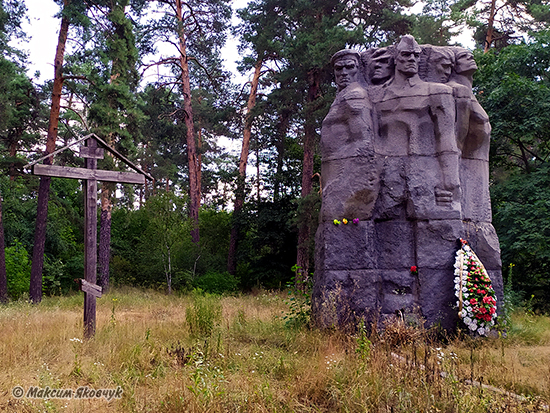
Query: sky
x,y
43,30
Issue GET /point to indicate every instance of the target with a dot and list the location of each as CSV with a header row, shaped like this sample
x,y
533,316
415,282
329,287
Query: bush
x,y
204,314
18,270
217,283
521,216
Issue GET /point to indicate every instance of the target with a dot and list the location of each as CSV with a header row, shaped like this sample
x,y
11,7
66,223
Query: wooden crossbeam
x,y
81,173
89,288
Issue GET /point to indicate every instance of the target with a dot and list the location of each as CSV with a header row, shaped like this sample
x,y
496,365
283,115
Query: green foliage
x,y
204,314
152,246
308,214
215,227
513,86
150,243
161,134
18,270
268,248
438,22
364,345
12,13
521,216
511,21
298,301
217,283
52,275
18,210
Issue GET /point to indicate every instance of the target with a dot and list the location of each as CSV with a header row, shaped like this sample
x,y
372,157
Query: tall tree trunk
x,y
282,128
241,179
35,291
194,183
13,153
258,175
168,270
3,276
490,27
304,228
199,158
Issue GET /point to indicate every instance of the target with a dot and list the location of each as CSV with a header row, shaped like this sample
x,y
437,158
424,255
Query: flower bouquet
x,y
476,297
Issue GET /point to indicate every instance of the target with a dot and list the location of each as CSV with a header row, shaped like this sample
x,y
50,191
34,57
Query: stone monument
x,y
405,175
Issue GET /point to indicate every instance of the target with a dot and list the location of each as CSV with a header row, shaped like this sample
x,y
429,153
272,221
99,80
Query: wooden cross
x,y
90,175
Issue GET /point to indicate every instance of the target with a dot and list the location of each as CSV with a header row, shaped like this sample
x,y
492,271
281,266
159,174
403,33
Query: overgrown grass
x,y
197,353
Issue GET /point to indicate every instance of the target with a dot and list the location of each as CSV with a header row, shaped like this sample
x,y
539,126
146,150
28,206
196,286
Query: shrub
x,y
18,270
217,283
204,314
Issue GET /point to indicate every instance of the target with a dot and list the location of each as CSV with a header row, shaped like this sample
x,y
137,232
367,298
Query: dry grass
x,y
248,361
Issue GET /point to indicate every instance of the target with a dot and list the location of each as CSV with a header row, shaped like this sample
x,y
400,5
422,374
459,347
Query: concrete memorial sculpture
x,y
404,176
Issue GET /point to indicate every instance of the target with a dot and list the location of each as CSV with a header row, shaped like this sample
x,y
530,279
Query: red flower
x,y
473,301
414,270
492,310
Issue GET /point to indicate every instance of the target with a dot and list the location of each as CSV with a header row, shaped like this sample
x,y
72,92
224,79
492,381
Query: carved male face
x,y
346,70
465,62
382,67
441,67
408,53
407,62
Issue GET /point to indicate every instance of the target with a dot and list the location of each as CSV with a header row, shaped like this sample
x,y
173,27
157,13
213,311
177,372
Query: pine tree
x,y
192,26
72,12
499,23
18,107
261,32
113,110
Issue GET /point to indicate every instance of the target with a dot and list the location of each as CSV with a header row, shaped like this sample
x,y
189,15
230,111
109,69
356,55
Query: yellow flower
x,y
345,221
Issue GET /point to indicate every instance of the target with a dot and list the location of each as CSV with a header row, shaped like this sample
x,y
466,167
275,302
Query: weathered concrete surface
x,y
405,151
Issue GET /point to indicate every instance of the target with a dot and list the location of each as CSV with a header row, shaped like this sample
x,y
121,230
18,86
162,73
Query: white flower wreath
x,y
476,297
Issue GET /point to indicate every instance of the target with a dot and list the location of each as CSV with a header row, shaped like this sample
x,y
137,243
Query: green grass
x,y
237,354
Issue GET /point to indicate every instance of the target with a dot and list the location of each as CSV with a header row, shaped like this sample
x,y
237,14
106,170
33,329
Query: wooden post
x,y
90,239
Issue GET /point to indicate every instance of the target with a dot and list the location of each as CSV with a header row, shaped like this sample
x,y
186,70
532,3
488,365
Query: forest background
x,y
211,219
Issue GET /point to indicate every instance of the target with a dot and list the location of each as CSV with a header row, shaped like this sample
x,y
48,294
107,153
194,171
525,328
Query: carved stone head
x,y
382,66
464,62
438,64
408,53
347,69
